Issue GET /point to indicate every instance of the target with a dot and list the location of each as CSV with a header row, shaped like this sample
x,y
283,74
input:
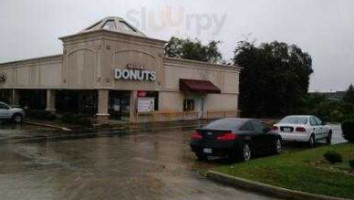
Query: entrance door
x,y
200,107
119,105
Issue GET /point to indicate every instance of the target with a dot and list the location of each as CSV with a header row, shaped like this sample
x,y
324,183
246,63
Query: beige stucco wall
x,y
79,70
80,63
140,54
215,102
173,101
34,73
226,78
89,60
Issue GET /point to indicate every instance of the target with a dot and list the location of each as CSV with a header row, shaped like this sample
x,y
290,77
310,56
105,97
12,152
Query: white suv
x,y
303,128
7,112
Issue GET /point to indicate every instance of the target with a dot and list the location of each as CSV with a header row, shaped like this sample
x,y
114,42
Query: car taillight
x,y
197,136
275,128
227,136
300,129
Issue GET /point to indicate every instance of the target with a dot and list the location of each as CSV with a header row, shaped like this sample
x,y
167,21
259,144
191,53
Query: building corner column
x,y
102,114
133,104
50,101
15,97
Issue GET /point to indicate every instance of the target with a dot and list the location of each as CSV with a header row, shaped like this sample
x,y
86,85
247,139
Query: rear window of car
x,y
294,120
225,124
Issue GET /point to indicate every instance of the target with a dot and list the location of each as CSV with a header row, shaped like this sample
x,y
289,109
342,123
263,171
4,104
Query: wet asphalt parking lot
x,y
145,165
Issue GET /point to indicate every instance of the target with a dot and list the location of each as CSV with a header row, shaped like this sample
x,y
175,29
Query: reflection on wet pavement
x,y
22,131
138,166
145,165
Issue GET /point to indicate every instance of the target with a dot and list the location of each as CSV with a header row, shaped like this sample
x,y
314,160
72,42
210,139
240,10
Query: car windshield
x,y
4,106
294,120
225,124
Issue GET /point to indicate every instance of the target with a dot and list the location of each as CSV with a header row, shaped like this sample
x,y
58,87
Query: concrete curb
x,y
270,190
48,125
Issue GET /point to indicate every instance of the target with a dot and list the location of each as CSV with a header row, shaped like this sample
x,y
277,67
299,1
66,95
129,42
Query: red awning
x,y
198,86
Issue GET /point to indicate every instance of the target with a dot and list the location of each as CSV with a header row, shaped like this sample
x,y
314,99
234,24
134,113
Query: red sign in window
x,y
142,93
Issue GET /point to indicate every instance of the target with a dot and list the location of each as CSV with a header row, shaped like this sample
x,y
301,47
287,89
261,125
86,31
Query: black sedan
x,y
237,138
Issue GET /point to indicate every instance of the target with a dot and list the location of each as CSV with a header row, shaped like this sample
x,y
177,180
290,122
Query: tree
x,y
349,95
274,77
194,50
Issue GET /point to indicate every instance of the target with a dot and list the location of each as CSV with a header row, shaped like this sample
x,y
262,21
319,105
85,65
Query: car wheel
x,y
201,156
312,141
246,152
17,118
329,138
277,146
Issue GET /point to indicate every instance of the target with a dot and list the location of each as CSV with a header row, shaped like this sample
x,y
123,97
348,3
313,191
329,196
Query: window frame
x,y
313,119
261,125
242,128
318,120
188,105
109,27
127,27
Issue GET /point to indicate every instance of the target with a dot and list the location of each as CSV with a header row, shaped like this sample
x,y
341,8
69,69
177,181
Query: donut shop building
x,y
113,71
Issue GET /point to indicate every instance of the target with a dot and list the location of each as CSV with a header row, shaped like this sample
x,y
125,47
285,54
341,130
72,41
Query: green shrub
x,y
85,121
41,114
326,109
351,163
348,130
333,157
78,119
68,118
349,117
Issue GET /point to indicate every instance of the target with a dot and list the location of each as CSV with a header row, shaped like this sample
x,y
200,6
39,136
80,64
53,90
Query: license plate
x,y
288,130
207,150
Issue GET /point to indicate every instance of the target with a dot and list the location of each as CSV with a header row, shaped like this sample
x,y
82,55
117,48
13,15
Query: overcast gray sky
x,y
323,28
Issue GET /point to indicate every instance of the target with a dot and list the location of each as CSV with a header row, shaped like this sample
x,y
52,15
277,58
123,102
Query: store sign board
x,y
134,72
146,104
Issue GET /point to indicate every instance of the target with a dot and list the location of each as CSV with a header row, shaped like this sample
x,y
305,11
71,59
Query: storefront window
x,y
5,96
119,104
188,105
76,101
154,95
32,99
